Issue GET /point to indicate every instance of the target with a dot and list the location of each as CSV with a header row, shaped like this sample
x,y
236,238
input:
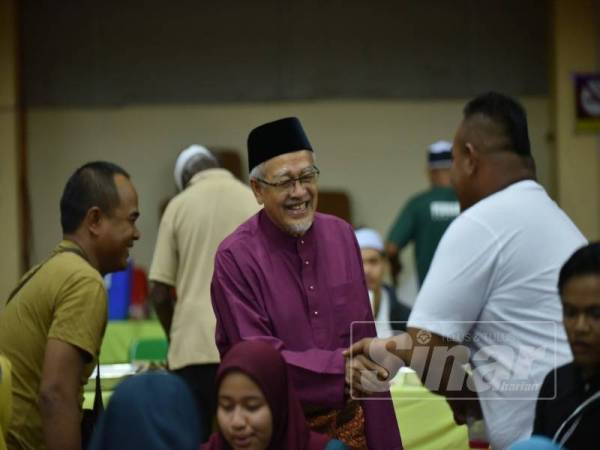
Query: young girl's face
x,y
243,413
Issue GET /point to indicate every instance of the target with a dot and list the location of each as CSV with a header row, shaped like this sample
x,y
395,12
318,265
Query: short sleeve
x,y
165,260
80,314
458,282
403,230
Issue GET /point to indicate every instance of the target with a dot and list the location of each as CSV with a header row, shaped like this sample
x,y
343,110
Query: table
x,y
120,334
425,419
116,347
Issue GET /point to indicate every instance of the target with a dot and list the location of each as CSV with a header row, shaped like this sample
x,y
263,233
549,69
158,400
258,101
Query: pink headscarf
x,y
267,368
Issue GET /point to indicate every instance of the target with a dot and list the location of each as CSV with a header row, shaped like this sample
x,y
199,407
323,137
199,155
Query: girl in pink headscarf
x,y
258,408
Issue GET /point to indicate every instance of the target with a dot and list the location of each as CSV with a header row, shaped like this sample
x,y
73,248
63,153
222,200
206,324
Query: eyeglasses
x,y
307,179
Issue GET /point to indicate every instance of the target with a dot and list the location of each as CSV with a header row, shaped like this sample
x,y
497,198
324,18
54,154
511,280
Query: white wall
x,y
373,149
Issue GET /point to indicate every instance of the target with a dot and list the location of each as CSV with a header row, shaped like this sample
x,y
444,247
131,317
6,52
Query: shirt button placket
x,y
309,279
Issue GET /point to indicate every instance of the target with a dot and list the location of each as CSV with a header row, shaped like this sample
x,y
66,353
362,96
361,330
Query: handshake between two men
x,y
441,364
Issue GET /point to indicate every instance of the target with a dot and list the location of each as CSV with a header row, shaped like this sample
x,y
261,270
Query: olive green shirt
x,y
64,300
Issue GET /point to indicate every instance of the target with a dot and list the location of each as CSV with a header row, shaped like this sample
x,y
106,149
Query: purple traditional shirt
x,y
300,294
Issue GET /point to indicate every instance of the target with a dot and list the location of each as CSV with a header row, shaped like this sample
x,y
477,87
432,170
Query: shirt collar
x,y
67,245
210,173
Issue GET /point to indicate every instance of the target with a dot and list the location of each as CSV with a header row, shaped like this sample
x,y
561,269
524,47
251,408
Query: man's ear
x,y
93,220
471,159
257,190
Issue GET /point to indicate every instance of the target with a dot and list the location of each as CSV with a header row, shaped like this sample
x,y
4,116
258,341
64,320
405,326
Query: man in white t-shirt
x,y
490,296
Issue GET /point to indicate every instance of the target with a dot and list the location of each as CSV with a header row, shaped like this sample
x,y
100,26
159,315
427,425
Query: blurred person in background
x,y
151,411
384,303
425,217
210,205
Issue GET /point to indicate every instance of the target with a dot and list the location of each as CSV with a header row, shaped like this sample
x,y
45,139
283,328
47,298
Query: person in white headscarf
x,y
210,205
389,313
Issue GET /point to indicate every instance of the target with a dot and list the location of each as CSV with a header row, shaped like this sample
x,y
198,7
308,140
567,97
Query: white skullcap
x,y
369,238
440,147
440,155
184,157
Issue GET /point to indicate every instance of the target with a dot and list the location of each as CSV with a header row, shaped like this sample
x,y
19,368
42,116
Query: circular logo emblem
x,y
423,337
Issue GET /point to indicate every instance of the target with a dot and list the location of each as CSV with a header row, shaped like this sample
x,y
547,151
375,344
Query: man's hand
x,y
390,354
359,348
364,377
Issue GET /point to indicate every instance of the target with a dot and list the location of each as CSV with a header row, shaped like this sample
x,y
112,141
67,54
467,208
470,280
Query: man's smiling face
x,y
291,209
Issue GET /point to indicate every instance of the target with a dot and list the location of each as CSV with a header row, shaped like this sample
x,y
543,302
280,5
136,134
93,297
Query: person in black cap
x,y
425,217
284,139
293,277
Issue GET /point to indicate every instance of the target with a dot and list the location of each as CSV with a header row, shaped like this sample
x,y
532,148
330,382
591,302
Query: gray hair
x,y
197,163
258,171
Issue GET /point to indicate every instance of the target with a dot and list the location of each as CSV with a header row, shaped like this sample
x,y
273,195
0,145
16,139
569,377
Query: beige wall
x,y
576,35
374,150
10,262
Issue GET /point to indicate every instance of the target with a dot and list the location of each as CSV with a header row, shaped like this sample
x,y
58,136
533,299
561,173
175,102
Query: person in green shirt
x,y
425,217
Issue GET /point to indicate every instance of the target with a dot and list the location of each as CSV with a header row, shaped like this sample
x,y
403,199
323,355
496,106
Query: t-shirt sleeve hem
x,y
72,341
455,331
161,278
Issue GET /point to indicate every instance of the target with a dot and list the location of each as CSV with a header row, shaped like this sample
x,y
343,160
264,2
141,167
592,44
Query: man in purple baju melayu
x,y
293,277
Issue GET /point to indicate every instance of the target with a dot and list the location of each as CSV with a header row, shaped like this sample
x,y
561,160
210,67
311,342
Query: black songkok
x,y
276,138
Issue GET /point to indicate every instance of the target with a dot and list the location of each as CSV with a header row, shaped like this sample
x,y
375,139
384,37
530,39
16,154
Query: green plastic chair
x,y
149,350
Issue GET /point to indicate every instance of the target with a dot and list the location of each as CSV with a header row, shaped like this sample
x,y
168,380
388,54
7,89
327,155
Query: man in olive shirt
x,y
51,328
426,216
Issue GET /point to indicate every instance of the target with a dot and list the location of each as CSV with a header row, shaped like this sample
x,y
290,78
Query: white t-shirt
x,y
492,285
